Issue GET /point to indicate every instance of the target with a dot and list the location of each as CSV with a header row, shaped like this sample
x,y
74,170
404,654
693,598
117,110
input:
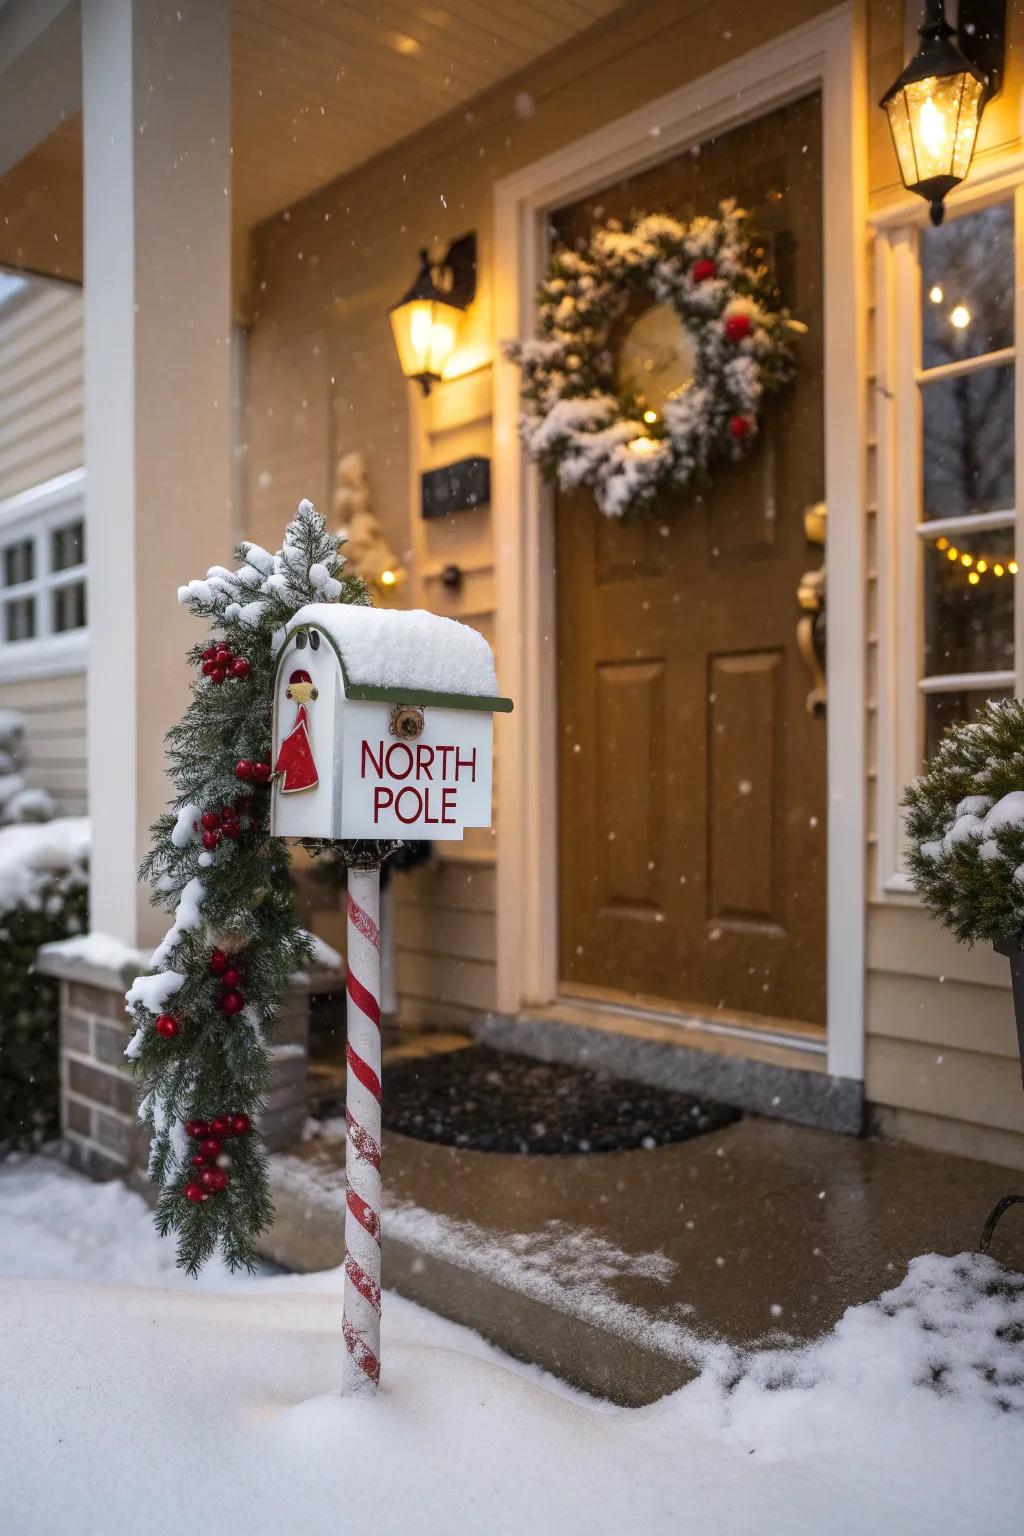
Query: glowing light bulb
x,y
1013,567
388,578
997,570
935,294
981,567
966,559
643,446
942,543
952,553
973,578
960,317
650,417
932,126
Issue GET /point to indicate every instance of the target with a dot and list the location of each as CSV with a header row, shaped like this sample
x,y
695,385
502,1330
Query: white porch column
x,y
156,119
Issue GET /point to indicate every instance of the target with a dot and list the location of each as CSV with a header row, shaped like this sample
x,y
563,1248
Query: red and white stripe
x,y
361,1323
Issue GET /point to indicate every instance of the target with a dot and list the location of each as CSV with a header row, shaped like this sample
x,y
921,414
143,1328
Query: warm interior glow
x,y
425,332
960,317
643,446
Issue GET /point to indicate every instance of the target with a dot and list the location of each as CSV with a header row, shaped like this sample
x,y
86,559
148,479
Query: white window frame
x,y
34,514
901,681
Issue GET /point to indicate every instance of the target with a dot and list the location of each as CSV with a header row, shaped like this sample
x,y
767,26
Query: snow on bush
x,y
43,897
18,801
965,822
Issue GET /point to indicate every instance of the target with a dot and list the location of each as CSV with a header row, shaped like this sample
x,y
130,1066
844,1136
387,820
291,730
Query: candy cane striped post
x,y
361,1322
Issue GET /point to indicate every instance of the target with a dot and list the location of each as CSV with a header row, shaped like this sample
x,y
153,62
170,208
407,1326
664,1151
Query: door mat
x,y
493,1101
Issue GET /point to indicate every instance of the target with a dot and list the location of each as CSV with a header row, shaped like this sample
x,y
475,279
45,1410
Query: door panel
x,y
692,816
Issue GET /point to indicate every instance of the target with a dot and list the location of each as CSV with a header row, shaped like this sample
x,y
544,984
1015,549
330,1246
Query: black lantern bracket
x,y
455,274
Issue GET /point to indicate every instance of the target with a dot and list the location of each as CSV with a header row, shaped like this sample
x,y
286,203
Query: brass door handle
x,y
810,628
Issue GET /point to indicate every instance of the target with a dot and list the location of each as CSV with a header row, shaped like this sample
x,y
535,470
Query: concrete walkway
x,y
609,1269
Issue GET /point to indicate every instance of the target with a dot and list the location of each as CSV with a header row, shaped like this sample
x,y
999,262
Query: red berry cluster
x,y
227,822
211,1178
220,663
253,773
231,999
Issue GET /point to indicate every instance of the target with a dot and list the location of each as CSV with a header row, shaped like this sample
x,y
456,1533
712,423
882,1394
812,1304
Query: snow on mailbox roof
x,y
407,655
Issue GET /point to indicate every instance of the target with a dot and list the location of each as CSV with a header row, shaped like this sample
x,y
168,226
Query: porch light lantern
x,y
425,321
934,109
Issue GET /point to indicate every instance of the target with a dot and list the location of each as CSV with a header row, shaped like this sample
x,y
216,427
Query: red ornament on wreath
x,y
702,270
739,427
737,327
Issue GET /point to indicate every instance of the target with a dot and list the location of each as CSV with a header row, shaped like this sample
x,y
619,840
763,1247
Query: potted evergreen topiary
x,y
965,820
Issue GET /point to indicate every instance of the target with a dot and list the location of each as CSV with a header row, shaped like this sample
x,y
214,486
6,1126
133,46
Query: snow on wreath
x,y
622,409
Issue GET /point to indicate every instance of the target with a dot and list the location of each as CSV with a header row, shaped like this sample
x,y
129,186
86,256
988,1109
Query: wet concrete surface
x,y
603,1268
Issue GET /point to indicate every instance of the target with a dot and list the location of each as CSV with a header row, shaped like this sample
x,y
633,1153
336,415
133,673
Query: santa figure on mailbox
x,y
295,763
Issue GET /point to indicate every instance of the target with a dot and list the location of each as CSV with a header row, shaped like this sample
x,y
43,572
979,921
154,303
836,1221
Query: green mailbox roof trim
x,y
391,692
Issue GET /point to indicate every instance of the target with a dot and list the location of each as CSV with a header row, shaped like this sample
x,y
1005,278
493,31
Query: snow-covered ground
x,y
133,1399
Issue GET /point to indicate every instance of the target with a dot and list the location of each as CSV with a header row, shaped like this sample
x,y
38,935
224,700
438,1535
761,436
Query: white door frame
x,y
828,53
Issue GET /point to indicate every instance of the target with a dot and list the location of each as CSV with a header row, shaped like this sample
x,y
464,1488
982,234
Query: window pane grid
x,y
42,580
966,525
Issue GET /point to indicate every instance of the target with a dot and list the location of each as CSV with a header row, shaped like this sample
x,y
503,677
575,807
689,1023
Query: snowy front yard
x,y
133,1399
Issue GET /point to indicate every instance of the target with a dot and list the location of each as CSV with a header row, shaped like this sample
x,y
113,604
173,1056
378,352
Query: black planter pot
x,y
1013,952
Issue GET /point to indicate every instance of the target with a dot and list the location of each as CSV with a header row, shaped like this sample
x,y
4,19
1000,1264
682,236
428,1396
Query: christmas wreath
x,y
584,424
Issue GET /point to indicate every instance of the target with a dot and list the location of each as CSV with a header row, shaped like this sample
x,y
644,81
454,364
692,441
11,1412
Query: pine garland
x,y
204,1014
965,822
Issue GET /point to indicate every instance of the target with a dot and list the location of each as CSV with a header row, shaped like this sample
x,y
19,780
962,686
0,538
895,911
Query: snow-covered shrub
x,y
18,801
965,820
43,896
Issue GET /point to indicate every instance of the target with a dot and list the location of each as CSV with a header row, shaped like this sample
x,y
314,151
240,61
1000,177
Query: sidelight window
x,y
946,395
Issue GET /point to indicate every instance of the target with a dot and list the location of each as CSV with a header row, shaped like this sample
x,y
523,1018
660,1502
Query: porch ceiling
x,y
318,87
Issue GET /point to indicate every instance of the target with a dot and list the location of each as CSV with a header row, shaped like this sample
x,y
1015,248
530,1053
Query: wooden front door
x,y
692,779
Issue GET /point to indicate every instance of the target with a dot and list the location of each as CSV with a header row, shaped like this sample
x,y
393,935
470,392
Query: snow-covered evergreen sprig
x,y
965,826
581,427
230,896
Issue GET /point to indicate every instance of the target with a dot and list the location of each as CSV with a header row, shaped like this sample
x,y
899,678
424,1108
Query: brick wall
x,y
99,1102
98,1098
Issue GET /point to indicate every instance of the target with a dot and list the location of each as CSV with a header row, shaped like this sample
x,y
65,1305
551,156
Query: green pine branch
x,y
234,897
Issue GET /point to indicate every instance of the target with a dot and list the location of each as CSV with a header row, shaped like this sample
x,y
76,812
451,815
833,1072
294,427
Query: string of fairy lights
x,y
977,566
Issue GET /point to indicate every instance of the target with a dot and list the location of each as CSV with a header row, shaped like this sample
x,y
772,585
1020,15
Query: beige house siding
x,y
54,712
41,381
41,372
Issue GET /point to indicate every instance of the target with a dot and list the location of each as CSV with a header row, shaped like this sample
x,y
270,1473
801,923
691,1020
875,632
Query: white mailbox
x,y
382,725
